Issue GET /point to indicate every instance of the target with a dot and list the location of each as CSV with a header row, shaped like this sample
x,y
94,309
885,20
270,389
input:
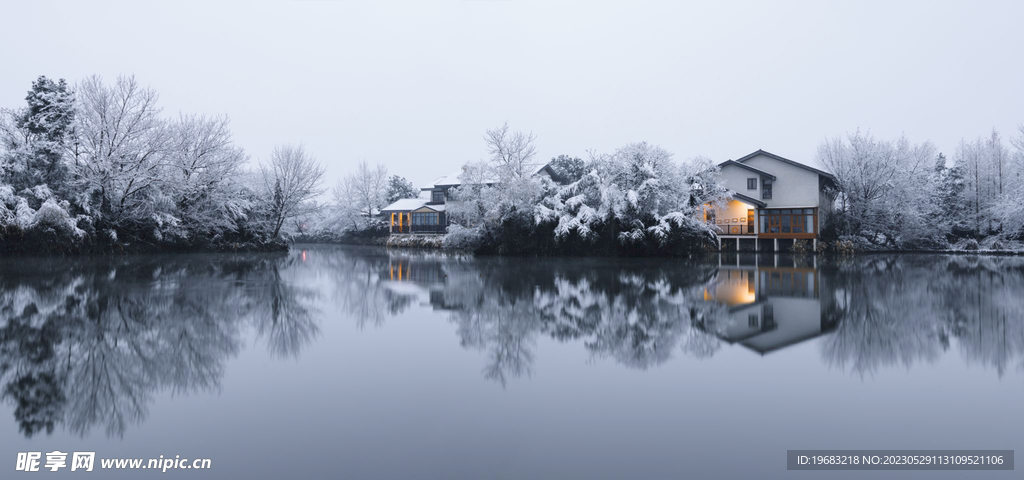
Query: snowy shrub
x,y
462,238
24,216
41,193
801,247
844,247
996,244
823,247
415,241
7,202
54,216
168,227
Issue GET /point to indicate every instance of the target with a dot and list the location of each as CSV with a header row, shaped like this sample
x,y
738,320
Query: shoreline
x,y
390,245
424,242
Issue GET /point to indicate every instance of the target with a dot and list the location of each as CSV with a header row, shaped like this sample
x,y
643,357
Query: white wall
x,y
735,178
734,209
793,186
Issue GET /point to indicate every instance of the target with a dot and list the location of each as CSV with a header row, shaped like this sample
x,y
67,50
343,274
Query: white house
x,y
775,200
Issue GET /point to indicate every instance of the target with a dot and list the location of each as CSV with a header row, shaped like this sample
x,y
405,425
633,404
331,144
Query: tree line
x,y
98,167
636,200
895,194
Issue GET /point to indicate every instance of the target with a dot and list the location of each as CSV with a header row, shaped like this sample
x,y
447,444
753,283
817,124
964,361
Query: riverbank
x,y
49,244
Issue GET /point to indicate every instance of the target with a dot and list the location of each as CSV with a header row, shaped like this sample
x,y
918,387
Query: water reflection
x,y
912,309
772,302
88,344
871,311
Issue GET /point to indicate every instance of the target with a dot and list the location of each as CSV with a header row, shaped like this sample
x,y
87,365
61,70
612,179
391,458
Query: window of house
x,y
751,184
753,320
424,219
437,196
766,190
788,221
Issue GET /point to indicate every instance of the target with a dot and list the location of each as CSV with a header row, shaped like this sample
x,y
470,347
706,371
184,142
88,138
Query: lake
x,y
358,362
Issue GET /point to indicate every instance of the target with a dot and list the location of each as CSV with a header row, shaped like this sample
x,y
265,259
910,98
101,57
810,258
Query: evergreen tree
x,y
949,183
568,169
399,188
47,124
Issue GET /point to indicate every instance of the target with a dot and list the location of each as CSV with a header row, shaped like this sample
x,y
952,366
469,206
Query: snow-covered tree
x,y
641,192
1011,210
399,188
362,193
985,163
120,151
886,190
474,201
949,183
569,169
201,174
291,184
35,138
511,152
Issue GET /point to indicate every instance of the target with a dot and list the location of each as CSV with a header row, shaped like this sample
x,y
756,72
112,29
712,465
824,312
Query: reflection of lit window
x,y
752,320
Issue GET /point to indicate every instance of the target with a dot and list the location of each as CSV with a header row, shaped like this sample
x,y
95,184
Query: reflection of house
x,y
770,308
427,214
774,198
422,278
422,271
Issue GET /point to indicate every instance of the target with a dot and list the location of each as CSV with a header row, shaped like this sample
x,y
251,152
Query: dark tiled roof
x,y
750,200
748,167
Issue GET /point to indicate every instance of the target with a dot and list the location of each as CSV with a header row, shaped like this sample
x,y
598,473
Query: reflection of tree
x,y
986,313
359,284
904,309
634,312
281,313
89,342
506,333
39,401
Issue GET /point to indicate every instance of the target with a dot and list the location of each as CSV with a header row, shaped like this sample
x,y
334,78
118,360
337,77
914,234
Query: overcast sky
x,y
415,84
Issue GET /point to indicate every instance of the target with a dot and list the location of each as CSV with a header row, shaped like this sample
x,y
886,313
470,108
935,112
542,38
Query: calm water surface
x,y
344,362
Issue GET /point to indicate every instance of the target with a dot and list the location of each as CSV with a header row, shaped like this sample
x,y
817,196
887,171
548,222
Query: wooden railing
x,y
736,229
